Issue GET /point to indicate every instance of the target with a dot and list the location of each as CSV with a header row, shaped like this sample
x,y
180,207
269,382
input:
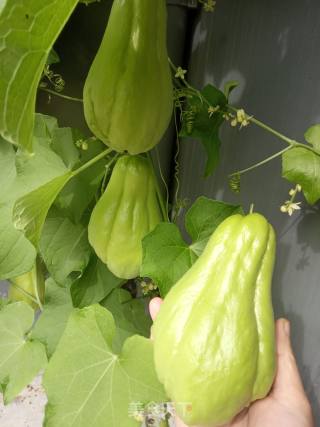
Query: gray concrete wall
x,y
272,48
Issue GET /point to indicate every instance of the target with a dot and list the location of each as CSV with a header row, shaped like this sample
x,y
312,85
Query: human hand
x,y
287,404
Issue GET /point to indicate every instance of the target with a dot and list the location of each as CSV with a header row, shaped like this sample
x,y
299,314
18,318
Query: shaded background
x,y
272,48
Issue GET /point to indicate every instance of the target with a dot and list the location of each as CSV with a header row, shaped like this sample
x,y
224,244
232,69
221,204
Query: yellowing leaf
x,y
28,29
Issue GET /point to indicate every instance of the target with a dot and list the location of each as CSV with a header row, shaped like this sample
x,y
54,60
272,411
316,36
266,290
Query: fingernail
x,y
286,327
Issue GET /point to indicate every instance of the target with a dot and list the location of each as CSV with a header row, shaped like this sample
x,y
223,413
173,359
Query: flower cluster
x,y
290,206
208,5
83,145
212,110
148,287
241,118
180,73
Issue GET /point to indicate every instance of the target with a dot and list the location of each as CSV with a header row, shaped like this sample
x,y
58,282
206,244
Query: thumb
x,y
154,307
288,381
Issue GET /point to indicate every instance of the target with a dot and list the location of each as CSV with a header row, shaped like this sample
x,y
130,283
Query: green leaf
x,y
63,143
80,192
53,57
166,256
94,285
87,2
64,247
203,218
30,211
200,125
17,254
21,173
229,87
312,136
130,314
53,319
7,168
87,384
4,302
302,166
44,126
28,30
21,359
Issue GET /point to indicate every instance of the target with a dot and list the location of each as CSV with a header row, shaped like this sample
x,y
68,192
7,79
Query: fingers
x,y
154,307
288,379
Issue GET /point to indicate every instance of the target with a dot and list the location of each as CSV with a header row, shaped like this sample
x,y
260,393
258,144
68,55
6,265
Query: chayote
x,y
214,336
126,212
128,94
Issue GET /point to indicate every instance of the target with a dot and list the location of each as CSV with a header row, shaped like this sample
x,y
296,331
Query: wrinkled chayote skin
x,y
31,283
214,336
126,212
128,95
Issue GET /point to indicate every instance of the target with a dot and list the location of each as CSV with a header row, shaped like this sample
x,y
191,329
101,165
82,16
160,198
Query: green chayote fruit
x,y
128,94
126,212
214,338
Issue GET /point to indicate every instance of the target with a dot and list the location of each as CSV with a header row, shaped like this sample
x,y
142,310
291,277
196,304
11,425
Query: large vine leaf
x,y
199,124
96,283
203,218
30,211
312,135
28,30
21,359
302,166
52,322
63,143
17,254
88,384
21,173
80,192
166,256
64,247
130,315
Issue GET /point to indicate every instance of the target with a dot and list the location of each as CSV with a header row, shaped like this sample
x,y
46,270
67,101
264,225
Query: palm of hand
x,y
287,404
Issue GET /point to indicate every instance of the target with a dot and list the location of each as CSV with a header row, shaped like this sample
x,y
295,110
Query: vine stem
x,y
267,128
256,165
38,266
69,98
91,162
292,142
161,202
107,166
163,180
